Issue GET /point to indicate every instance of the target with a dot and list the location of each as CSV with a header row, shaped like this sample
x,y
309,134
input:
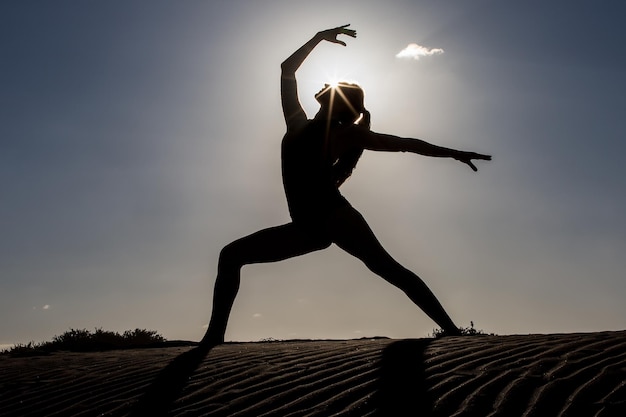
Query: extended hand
x,y
330,35
466,158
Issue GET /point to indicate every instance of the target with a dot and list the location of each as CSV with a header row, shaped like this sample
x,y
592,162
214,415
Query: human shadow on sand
x,y
402,389
169,383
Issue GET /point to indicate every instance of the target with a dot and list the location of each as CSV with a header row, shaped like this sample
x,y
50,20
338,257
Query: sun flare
x,y
333,84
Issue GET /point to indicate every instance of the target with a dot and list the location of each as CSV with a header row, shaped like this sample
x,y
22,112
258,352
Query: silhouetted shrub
x,y
465,331
82,340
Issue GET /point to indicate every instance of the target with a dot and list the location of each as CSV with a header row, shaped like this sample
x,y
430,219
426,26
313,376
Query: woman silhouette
x,y
317,156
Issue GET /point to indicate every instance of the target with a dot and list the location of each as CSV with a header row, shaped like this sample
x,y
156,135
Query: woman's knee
x,y
391,271
230,256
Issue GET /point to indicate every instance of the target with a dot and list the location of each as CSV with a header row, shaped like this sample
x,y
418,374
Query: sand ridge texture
x,y
519,375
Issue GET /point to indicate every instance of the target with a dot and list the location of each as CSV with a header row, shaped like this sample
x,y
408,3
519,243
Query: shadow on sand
x,y
169,383
402,389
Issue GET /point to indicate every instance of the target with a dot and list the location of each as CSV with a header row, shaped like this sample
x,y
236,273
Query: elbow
x,y
286,66
286,72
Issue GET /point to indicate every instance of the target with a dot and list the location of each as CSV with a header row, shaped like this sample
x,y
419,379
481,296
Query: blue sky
x,y
138,138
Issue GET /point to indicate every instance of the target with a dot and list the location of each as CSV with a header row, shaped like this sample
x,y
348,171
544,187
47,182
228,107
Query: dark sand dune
x,y
529,375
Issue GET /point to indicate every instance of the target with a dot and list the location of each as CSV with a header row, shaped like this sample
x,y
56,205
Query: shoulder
x,y
298,126
354,135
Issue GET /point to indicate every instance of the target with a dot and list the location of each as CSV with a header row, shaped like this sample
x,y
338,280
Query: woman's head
x,y
343,101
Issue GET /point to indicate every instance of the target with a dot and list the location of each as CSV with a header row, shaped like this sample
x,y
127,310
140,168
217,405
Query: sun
x,y
334,83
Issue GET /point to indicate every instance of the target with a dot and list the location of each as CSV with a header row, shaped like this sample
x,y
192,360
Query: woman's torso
x,y
307,173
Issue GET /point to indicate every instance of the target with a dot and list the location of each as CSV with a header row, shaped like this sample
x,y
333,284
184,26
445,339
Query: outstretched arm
x,y
383,142
292,110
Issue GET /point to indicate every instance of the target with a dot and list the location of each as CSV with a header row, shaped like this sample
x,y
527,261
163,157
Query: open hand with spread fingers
x,y
330,35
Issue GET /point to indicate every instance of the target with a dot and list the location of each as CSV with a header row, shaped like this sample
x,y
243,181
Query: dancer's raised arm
x,y
292,109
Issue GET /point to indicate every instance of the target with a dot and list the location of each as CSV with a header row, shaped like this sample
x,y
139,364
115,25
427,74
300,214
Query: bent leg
x,y
268,245
351,233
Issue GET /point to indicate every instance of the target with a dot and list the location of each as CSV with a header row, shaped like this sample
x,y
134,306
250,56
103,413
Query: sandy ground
x,y
525,375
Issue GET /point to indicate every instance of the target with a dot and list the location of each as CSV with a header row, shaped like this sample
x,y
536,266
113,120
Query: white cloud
x,y
46,307
415,51
256,315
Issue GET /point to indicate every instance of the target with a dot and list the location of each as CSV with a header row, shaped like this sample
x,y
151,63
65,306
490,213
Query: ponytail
x,y
366,119
343,167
